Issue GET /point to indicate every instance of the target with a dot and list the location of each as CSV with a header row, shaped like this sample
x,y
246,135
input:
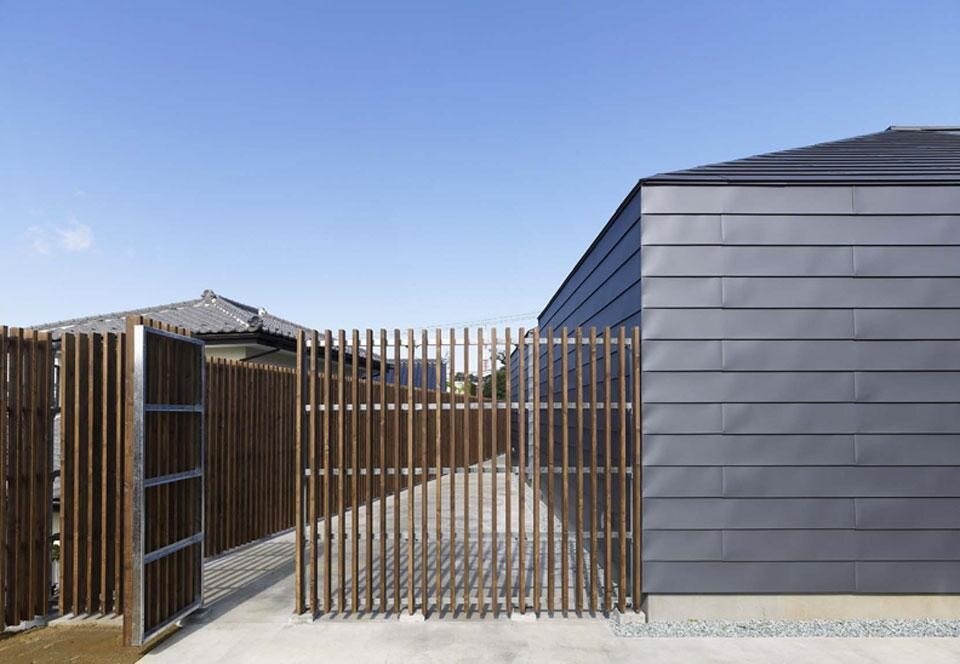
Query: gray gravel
x,y
787,628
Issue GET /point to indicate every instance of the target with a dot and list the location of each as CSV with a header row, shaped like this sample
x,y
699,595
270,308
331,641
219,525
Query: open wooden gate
x,y
26,453
447,475
164,477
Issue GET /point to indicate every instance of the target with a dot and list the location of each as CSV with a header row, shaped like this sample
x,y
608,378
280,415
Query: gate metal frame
x,y
137,558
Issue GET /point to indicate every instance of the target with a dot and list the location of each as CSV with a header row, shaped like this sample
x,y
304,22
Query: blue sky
x,y
402,164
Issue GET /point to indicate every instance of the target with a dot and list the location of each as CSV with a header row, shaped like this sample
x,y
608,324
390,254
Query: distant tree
x,y
500,375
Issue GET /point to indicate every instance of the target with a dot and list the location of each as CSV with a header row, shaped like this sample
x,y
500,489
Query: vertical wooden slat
x,y
411,526
5,446
396,482
355,470
607,473
67,350
452,396
104,456
341,471
593,510
507,477
494,459
565,470
551,472
438,446
298,523
120,400
521,469
314,468
30,385
78,432
467,403
578,450
15,575
537,499
637,479
368,470
128,446
424,472
623,584
328,466
481,590
382,457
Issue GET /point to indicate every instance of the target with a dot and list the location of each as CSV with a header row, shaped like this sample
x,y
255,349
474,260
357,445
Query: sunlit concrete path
x,y
250,595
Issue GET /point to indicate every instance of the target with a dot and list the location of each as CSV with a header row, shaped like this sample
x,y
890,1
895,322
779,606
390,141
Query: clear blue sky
x,y
402,164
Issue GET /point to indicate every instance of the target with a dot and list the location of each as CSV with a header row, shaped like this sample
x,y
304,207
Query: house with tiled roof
x,y
230,329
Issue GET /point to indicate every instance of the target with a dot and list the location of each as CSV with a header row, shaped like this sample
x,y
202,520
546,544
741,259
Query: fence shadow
x,y
235,577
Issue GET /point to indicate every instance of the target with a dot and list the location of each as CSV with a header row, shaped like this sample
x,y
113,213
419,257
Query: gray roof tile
x,y
209,314
899,154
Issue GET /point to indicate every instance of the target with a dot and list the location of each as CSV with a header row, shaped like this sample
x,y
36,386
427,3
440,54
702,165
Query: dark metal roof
x,y
899,154
210,314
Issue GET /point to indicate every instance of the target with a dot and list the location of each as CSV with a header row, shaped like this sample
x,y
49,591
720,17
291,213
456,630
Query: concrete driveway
x,y
250,597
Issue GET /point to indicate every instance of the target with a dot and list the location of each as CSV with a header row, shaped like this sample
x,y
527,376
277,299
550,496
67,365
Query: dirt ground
x,y
82,644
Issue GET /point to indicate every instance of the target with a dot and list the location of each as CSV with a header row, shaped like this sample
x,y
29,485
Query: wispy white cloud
x,y
73,237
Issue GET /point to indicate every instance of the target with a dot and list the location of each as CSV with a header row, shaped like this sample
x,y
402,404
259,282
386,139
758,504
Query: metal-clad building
x,y
801,365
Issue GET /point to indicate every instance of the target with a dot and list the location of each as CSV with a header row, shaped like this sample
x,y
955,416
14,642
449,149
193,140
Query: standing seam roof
x,y
899,154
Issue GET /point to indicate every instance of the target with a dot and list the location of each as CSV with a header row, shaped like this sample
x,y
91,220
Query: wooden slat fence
x,y
519,494
92,421
249,456
26,474
250,452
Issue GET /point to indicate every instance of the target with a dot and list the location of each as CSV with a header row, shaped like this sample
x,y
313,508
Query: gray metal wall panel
x,y
760,303
682,324
907,323
745,513
907,261
746,200
707,260
787,418
838,482
682,545
614,276
748,323
785,230
757,387
753,450
682,355
839,292
920,386
752,577
611,312
827,355
922,200
908,418
908,513
907,200
682,418
685,481
680,229
817,355
799,545
908,577
907,450
908,355
682,292
907,545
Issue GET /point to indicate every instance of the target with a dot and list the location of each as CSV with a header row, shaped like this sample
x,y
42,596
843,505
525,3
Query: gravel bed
x,y
790,628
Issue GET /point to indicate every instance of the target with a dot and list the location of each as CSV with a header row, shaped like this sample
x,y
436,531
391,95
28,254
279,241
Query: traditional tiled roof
x,y
210,314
